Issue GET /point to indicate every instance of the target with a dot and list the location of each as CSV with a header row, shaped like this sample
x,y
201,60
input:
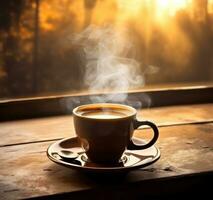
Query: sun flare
x,y
161,9
170,7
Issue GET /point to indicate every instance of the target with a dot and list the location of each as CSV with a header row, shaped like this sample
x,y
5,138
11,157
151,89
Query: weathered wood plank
x,y
50,128
26,171
14,132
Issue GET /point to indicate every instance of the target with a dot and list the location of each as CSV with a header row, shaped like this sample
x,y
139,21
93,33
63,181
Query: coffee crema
x,y
100,114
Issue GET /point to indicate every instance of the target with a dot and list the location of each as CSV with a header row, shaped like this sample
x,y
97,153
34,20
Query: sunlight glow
x,y
161,9
170,7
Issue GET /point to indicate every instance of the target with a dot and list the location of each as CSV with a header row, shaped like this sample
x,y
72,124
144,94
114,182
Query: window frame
x,y
52,105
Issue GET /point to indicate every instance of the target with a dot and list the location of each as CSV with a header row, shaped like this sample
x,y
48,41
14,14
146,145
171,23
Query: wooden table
x,y
185,166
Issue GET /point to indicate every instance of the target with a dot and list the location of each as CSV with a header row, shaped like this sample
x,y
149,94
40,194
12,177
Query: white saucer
x,y
129,161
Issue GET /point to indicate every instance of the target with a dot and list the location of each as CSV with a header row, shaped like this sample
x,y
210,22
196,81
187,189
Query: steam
x,y
109,67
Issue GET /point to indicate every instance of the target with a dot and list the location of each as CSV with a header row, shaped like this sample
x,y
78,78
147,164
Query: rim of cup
x,y
76,111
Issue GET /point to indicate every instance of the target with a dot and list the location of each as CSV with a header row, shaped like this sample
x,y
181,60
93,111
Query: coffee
x,y
104,114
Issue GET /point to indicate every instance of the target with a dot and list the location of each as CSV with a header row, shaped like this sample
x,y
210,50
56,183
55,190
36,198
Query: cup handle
x,y
132,146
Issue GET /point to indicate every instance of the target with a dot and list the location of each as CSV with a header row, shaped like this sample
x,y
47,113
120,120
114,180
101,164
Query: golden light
x,y
47,14
141,12
132,7
160,9
170,7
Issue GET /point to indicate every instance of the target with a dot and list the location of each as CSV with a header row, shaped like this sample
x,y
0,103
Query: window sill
x,y
63,104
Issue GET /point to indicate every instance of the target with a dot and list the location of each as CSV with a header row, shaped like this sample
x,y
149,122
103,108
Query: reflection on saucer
x,y
129,161
88,163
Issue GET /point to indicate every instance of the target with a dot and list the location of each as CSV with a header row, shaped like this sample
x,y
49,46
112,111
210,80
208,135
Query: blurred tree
x,y
200,10
89,6
16,31
36,66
